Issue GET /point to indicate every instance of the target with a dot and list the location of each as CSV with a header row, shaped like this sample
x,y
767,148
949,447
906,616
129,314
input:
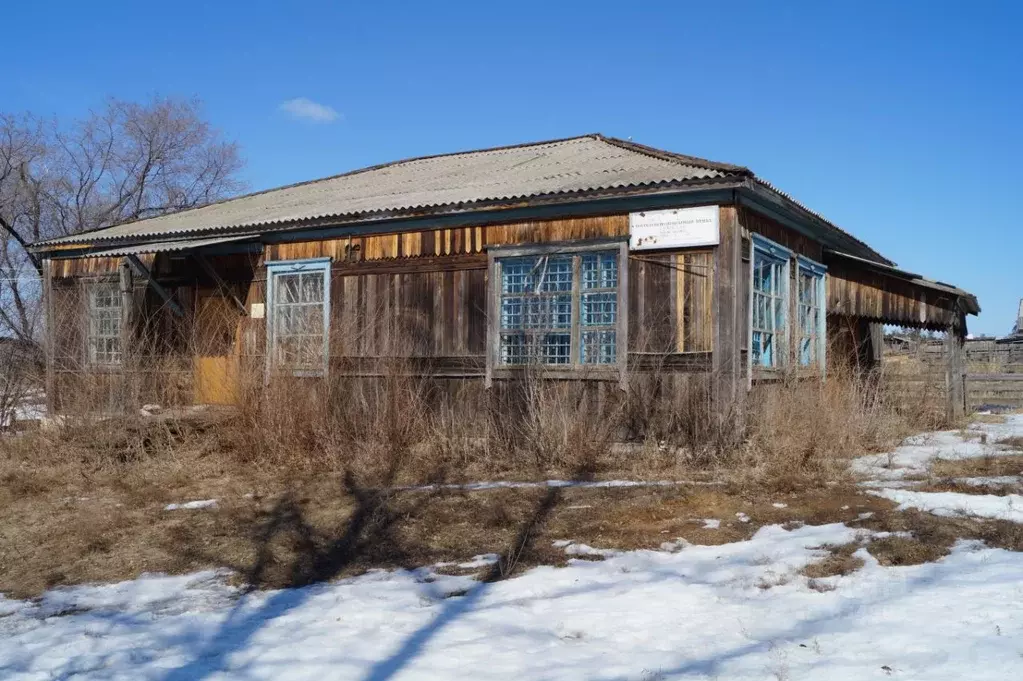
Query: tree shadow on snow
x,y
371,531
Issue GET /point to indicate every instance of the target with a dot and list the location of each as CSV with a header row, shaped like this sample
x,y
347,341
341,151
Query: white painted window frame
x,y
92,311
274,270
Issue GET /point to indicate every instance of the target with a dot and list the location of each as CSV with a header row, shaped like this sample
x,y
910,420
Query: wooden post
x,y
876,344
127,381
955,376
51,340
727,306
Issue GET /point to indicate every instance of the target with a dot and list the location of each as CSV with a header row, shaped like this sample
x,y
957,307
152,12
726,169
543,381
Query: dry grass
x,y
988,418
985,466
937,535
839,561
897,550
1014,442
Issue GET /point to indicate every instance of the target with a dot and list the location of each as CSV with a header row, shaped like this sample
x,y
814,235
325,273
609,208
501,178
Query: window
x,y
768,303
104,339
560,309
299,300
811,346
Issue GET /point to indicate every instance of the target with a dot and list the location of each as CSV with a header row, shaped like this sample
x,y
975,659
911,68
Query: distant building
x,y
1016,335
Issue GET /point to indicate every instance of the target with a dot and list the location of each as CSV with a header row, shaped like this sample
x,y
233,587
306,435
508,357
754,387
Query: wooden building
x,y
601,260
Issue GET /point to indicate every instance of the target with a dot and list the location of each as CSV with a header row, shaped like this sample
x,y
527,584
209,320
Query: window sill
x,y
608,372
104,368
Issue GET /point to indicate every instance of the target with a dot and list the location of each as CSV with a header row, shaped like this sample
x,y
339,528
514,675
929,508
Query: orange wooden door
x,y
215,359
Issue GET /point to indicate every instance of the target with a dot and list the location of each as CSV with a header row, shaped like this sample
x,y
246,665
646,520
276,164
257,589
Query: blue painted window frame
x,y
274,271
769,307
811,346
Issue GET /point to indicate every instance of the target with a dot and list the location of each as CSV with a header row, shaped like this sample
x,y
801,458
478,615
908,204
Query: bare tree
x,y
125,162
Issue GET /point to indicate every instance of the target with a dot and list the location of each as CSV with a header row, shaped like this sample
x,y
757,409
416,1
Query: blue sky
x,y
899,121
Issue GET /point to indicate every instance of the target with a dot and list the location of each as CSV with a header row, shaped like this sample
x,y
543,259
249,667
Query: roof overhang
x,y
969,302
177,245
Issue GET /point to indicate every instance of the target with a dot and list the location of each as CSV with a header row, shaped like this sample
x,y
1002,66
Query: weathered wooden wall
x,y
423,295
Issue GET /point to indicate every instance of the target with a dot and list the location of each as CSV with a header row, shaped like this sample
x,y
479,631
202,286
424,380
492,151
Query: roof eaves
x,y
799,205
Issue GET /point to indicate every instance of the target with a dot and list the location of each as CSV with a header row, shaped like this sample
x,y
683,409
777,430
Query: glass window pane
x,y
599,309
557,348
767,352
511,312
312,287
286,288
516,275
556,273
599,347
312,320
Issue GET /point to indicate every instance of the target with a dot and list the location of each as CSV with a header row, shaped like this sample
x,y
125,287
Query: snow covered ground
x,y
737,611
893,475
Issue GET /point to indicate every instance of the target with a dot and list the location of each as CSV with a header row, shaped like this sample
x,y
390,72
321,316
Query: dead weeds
x,y
985,466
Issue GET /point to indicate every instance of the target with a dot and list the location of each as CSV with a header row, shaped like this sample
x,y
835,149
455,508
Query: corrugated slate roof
x,y
568,166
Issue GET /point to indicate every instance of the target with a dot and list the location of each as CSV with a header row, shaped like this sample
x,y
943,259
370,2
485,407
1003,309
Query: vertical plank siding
x,y
449,242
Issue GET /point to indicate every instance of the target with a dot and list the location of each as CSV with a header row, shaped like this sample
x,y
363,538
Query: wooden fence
x,y
993,378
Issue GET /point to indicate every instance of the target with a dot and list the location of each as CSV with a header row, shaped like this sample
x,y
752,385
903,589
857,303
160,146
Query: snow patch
x,y
711,523
914,456
192,505
1008,507
584,484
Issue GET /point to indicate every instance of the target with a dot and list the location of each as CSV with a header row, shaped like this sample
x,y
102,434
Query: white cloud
x,y
306,109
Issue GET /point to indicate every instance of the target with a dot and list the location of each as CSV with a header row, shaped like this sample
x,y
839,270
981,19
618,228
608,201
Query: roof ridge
x,y
665,155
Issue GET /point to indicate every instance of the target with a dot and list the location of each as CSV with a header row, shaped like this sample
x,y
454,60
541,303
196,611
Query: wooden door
x,y
216,357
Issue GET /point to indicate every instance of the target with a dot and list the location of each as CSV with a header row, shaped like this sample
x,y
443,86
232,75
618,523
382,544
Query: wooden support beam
x,y
730,290
51,337
141,270
126,287
955,372
219,281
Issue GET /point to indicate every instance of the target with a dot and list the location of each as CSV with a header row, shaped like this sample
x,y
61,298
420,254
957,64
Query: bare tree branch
x,y
128,161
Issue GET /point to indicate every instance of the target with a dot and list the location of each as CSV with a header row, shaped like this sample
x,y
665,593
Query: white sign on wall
x,y
674,228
